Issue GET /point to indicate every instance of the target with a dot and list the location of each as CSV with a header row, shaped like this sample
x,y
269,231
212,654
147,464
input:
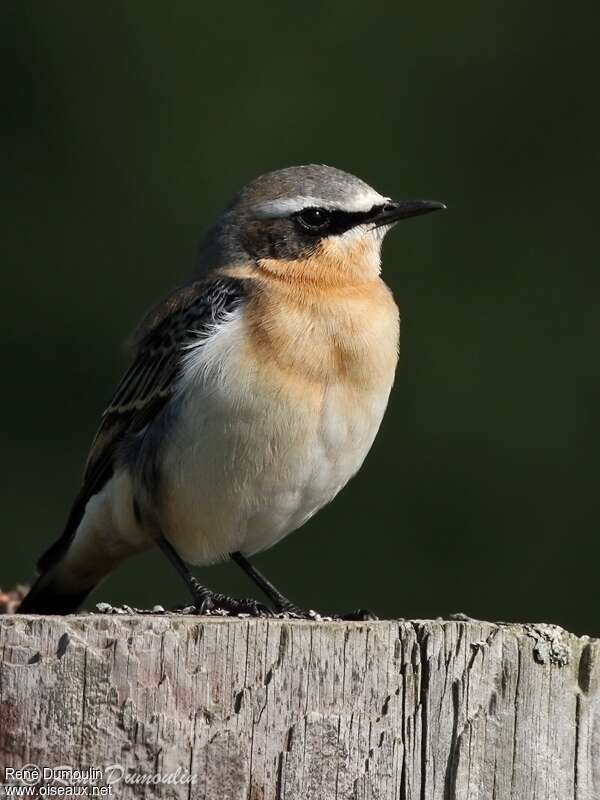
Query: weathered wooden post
x,y
245,709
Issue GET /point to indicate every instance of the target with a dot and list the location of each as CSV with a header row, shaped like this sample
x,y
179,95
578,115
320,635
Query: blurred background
x,y
127,126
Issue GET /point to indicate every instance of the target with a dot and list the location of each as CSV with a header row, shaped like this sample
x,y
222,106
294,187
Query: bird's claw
x,y
211,602
360,615
290,609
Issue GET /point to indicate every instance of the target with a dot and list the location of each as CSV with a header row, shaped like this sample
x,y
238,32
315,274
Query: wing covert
x,y
149,382
152,377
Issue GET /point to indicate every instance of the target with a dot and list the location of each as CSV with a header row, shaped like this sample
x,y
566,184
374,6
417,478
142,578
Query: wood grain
x,y
280,709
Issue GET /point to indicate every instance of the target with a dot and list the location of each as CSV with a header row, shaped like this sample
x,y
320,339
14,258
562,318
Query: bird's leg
x,y
201,595
205,599
281,602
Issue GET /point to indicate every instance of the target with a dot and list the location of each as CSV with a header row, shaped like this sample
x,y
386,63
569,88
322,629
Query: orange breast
x,y
325,335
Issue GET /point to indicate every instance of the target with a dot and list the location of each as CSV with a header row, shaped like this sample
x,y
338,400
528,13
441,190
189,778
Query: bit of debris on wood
x,y
10,601
107,608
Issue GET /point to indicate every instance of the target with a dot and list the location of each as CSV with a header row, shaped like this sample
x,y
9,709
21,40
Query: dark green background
x,y
127,126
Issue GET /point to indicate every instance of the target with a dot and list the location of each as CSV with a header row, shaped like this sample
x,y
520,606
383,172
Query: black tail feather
x,y
47,596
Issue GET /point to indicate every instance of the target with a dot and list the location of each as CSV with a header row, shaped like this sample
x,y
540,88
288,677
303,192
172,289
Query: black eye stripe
x,y
349,219
338,221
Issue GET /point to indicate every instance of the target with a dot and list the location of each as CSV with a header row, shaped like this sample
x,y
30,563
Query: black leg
x,y
280,601
200,594
205,599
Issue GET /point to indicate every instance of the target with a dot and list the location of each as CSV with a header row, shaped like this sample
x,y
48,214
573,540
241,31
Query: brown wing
x,y
148,383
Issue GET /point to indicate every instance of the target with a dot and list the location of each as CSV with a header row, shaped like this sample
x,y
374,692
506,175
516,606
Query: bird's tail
x,y
70,570
87,552
50,594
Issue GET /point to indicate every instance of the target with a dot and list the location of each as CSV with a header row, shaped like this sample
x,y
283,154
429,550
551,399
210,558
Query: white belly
x,y
249,461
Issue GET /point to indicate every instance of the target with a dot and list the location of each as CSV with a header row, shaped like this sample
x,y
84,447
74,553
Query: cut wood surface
x,y
254,709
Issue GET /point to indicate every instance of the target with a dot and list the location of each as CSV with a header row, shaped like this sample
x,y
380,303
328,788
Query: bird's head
x,y
312,223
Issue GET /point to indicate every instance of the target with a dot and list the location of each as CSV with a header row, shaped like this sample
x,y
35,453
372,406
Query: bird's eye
x,y
314,219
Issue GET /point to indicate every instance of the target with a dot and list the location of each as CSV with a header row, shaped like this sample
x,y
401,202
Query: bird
x,y
255,391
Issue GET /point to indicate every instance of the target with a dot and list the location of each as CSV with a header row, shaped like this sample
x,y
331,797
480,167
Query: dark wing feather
x,y
148,383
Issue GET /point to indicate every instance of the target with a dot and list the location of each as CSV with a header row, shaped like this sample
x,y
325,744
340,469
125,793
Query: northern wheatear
x,y
255,393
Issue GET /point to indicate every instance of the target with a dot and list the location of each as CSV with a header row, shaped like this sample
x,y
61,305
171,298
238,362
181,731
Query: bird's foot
x,y
360,615
292,610
207,602
239,605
